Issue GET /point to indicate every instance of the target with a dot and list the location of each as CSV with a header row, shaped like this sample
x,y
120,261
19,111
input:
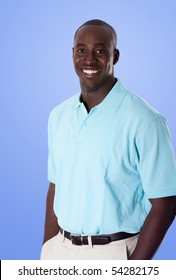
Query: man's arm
x,y
51,224
155,227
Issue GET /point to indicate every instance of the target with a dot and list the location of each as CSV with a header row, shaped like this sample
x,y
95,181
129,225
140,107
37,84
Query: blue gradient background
x,y
36,73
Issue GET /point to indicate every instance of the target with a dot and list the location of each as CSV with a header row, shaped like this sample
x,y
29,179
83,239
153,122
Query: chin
x,y
90,88
90,84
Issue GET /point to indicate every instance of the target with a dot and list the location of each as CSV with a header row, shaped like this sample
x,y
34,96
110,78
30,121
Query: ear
x,y
73,52
116,56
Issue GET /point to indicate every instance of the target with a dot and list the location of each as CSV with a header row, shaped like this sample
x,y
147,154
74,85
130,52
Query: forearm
x,y
154,229
51,224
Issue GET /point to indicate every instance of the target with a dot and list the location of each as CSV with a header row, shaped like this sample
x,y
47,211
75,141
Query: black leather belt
x,y
101,239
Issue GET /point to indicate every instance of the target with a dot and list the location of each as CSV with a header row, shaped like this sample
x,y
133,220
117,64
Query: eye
x,y
81,51
100,51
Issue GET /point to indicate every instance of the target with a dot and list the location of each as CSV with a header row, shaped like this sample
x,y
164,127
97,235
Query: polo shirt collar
x,y
111,102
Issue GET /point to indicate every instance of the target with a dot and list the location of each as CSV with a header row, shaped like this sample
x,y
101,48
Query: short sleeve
x,y
51,163
156,162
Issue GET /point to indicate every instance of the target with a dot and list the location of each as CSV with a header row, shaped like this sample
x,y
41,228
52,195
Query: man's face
x,y
94,56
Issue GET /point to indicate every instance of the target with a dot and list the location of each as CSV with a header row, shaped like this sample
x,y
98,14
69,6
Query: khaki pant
x,y
60,248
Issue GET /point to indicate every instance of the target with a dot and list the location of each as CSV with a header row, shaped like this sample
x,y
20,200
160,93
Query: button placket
x,y
86,118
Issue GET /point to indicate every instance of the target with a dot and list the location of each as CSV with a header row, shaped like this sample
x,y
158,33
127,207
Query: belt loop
x,y
89,238
63,236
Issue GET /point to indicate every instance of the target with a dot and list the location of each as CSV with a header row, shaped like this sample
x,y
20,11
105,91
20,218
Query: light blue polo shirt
x,y
107,163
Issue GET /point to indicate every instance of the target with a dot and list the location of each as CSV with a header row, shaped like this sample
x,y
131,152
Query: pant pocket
x,y
131,244
48,248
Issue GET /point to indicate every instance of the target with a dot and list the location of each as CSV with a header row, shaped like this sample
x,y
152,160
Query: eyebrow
x,y
96,45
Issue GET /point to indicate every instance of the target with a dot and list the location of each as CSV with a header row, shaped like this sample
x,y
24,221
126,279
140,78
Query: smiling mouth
x,y
90,72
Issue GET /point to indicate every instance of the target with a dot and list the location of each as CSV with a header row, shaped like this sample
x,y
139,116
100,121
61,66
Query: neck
x,y
93,97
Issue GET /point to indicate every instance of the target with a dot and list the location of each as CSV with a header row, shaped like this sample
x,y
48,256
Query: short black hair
x,y
98,22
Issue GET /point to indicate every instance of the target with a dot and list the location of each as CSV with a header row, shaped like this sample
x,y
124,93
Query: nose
x,y
90,57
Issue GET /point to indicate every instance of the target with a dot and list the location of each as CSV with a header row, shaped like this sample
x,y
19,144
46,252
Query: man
x,y
111,164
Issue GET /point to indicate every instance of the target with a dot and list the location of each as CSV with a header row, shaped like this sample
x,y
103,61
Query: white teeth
x,y
89,72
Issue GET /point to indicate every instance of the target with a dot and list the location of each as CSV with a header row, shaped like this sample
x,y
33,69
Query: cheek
x,y
76,60
109,65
